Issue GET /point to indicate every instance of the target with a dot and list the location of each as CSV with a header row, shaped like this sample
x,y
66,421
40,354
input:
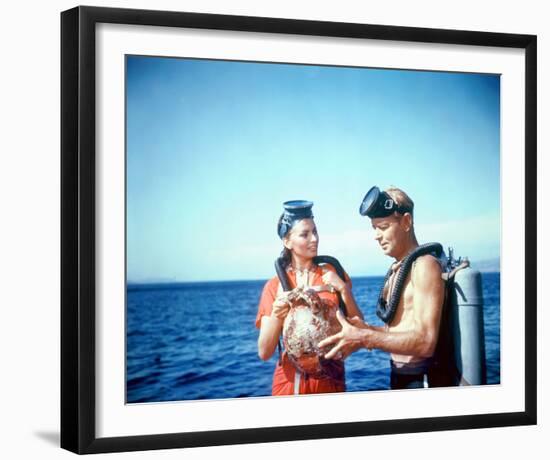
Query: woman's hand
x,y
332,279
281,306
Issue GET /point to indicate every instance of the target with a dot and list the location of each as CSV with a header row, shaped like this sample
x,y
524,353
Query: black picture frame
x,y
78,219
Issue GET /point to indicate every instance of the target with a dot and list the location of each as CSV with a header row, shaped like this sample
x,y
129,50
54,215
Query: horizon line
x,y
168,282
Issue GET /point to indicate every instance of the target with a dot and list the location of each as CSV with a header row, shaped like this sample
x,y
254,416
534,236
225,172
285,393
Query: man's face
x,y
390,233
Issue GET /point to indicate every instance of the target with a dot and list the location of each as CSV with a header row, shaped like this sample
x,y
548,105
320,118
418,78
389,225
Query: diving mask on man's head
x,y
380,204
294,211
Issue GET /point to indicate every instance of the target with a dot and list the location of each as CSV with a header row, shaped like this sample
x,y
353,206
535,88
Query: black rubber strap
x,y
386,310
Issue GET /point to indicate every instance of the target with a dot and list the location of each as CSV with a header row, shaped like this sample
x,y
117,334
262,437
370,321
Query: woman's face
x,y
303,240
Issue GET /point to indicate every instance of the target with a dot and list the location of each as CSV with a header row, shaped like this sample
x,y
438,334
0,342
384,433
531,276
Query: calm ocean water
x,y
198,341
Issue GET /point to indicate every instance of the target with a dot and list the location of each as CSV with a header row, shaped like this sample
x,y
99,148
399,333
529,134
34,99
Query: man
x,y
412,317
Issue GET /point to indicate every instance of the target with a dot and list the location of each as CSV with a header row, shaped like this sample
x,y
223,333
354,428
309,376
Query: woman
x,y
300,239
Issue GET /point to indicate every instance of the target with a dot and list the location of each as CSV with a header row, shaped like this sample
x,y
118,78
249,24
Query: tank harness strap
x,y
444,371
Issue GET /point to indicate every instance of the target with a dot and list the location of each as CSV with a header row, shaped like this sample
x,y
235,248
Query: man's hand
x,y
348,340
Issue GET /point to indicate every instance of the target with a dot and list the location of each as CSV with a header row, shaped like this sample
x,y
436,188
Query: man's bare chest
x,y
404,312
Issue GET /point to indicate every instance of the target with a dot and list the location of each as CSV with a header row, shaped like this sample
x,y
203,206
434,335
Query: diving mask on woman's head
x,y
380,204
294,211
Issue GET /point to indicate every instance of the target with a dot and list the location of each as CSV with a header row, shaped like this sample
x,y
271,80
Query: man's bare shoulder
x,y
428,261
427,267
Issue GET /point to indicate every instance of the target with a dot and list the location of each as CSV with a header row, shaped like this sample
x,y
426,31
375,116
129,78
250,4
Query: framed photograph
x,y
280,229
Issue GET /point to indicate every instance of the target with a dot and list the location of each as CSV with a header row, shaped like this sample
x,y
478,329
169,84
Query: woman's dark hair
x,y
286,257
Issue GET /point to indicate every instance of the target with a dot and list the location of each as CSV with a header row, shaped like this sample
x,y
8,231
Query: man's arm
x,y
428,297
421,339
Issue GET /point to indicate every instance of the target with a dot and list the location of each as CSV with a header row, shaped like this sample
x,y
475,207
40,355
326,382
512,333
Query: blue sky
x,y
215,147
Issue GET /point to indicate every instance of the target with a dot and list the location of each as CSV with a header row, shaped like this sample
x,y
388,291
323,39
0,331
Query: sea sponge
x,y
310,320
